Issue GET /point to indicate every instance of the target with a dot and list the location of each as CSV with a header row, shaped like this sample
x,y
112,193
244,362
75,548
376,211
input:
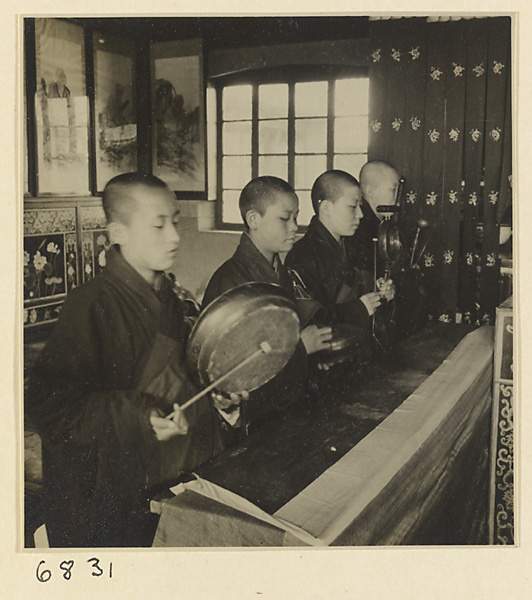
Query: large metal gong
x,y
389,241
234,326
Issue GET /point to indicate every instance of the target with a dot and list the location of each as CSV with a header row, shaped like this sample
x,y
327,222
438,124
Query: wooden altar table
x,y
399,457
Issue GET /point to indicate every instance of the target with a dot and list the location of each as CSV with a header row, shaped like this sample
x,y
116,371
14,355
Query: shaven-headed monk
x,y
106,390
269,207
379,181
321,261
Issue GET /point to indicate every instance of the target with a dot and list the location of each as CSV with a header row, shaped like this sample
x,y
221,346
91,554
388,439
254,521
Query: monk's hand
x,y
316,338
228,402
386,288
168,427
371,301
228,406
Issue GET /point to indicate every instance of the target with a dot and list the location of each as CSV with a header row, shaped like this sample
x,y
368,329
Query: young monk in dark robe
x,y
379,181
105,391
269,208
321,261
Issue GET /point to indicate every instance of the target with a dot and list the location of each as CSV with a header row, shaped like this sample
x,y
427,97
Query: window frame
x,y
290,75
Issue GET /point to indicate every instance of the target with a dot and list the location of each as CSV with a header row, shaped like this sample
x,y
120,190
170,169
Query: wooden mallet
x,y
264,348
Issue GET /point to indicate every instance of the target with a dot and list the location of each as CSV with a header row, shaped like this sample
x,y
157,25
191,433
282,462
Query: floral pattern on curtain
x,y
440,112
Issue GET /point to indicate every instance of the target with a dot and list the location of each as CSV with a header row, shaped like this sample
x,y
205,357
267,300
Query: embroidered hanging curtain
x,y
440,112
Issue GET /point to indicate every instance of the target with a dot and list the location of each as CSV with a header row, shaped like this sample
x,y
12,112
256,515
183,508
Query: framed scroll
x,y
115,110
61,108
178,116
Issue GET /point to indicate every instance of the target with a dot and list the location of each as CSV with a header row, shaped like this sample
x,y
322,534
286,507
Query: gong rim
x,y
389,240
227,320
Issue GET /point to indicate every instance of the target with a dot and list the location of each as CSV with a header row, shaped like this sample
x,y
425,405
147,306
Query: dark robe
x,y
406,313
360,246
116,353
247,265
329,276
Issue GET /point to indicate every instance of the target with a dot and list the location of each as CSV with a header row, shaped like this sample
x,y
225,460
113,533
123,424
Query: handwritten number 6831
x,y
43,575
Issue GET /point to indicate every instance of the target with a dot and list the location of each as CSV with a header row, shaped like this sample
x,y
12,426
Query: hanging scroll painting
x,y
178,109
61,108
115,111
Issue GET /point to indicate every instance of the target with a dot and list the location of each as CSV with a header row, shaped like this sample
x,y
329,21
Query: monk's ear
x,y
325,208
252,219
117,233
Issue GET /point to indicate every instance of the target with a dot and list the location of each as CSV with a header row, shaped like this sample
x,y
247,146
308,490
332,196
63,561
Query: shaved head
x,y
378,182
330,186
374,172
120,198
260,193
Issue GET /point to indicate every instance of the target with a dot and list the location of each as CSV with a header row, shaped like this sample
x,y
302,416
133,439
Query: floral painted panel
x,y
95,245
50,262
94,241
44,267
37,315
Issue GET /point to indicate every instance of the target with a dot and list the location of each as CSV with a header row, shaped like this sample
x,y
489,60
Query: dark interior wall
x,y
345,52
231,32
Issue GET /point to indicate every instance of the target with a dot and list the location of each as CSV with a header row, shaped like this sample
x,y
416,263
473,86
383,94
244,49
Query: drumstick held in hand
x,y
264,348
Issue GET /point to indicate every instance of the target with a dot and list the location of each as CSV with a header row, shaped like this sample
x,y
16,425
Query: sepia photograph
x,y
268,281
268,302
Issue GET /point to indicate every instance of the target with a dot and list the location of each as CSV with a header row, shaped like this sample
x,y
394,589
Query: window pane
x,y
230,210
352,163
306,212
311,99
61,108
351,134
351,97
273,101
236,171
236,137
273,137
308,168
274,165
311,136
236,102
